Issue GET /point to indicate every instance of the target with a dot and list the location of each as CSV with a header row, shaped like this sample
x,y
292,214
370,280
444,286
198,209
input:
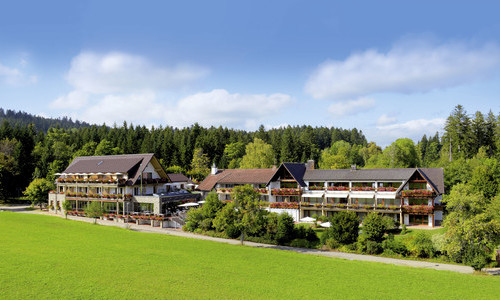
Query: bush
x,y
190,226
476,258
323,218
373,247
438,242
285,230
344,228
374,227
301,243
394,246
421,245
332,244
307,233
391,225
404,230
232,231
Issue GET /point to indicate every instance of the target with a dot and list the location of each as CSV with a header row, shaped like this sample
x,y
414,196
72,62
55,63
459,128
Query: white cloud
x,y
219,107
385,120
73,100
413,129
404,69
13,76
136,108
351,107
122,72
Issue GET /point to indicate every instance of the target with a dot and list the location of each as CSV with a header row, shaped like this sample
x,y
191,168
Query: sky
x,y
392,69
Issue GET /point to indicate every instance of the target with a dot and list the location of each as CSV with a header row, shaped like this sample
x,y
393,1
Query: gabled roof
x,y
236,176
297,171
433,175
130,164
359,174
178,177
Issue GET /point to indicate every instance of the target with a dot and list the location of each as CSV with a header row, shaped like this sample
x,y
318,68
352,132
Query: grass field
x,y
49,257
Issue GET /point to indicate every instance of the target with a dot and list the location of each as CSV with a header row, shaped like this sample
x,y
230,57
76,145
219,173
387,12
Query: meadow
x,y
47,257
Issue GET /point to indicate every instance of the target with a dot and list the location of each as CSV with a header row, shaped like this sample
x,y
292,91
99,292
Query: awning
x,y
337,195
364,196
315,195
386,196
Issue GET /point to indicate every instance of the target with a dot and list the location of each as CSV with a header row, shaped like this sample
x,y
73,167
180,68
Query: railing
x,y
418,193
418,209
154,180
286,205
224,190
286,192
338,188
363,189
99,196
360,189
132,216
93,181
316,188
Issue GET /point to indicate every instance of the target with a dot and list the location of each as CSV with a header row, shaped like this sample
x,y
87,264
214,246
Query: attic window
x,y
100,163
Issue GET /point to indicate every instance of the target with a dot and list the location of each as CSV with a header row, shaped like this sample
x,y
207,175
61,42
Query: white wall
x,y
150,169
295,213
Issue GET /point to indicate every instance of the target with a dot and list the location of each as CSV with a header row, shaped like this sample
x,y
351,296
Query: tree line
x,y
28,151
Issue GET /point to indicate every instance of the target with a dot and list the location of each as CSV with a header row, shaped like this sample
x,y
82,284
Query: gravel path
x,y
178,232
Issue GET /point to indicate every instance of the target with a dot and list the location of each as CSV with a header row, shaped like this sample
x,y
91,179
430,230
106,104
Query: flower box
x,y
338,188
363,188
286,205
417,193
285,191
386,189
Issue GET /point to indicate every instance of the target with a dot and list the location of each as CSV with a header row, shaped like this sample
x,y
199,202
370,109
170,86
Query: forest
x,y
468,149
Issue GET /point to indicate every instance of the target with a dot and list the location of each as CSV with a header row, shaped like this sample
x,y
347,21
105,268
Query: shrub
x,y
285,229
373,247
323,218
332,244
374,227
301,243
390,223
404,230
394,246
421,245
438,242
232,231
189,226
344,228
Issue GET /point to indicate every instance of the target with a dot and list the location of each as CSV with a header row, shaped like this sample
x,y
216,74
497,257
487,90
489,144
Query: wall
x,y
149,199
295,213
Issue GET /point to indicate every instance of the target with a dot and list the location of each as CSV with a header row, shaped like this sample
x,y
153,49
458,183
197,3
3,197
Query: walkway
x,y
178,232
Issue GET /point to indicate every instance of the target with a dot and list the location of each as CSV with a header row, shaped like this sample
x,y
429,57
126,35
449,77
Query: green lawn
x,y
49,257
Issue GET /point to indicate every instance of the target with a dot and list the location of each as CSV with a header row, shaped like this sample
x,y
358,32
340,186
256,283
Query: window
x,y
136,190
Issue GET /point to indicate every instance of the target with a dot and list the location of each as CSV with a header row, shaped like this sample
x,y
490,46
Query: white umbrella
x,y
201,202
188,204
326,224
307,220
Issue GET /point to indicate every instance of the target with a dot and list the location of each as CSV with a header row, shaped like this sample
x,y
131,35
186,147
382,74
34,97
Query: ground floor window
x,y
143,207
336,200
413,201
311,213
419,219
287,198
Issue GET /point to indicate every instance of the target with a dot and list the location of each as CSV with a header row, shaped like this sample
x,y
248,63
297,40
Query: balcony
x,y
337,188
417,194
418,209
92,196
284,205
91,181
286,192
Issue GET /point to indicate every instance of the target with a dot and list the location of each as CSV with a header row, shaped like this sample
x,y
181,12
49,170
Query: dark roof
x,y
178,177
236,176
130,164
297,171
433,175
359,174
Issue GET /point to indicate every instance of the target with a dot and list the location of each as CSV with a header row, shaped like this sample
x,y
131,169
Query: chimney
x,y
310,164
353,167
214,169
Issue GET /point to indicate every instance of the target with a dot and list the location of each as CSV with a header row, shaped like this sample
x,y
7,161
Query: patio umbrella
x,y
188,204
307,220
326,224
201,202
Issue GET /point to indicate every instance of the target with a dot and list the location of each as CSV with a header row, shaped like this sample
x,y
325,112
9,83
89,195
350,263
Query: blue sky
x,y
390,68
